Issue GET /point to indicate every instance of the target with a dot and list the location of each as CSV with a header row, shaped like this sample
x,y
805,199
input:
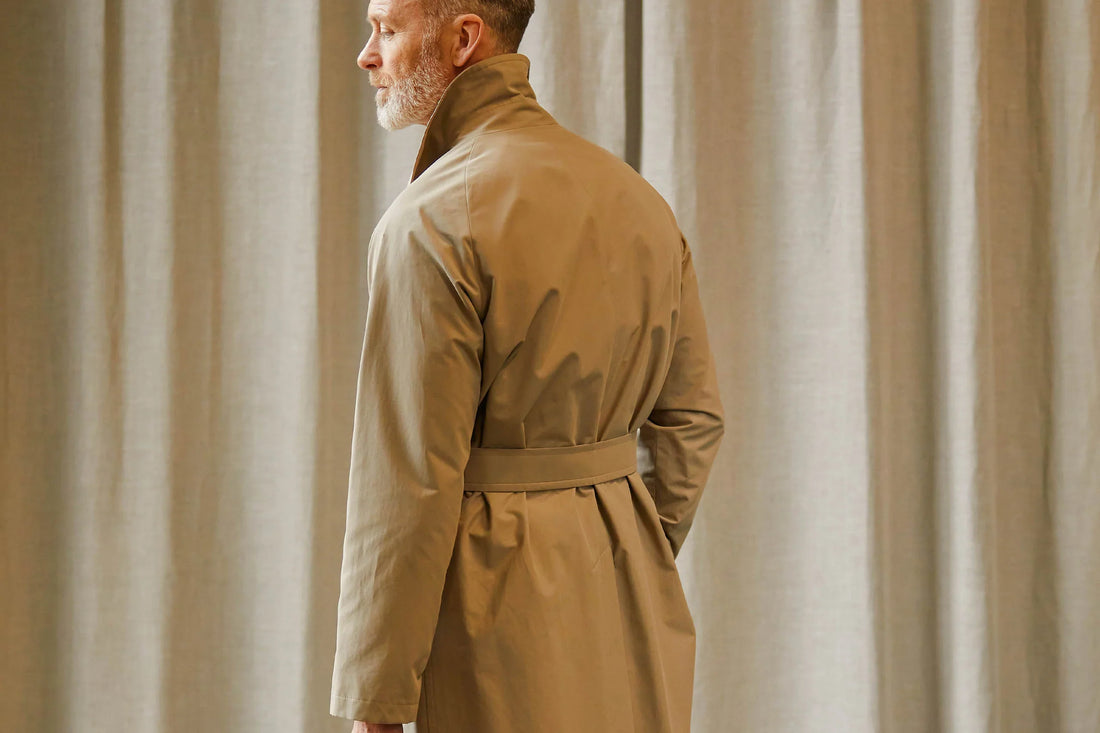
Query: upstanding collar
x,y
468,102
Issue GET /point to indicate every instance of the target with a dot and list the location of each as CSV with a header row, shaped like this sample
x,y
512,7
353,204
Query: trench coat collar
x,y
491,93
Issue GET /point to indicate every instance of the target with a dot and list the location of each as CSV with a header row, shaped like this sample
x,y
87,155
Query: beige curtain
x,y
895,210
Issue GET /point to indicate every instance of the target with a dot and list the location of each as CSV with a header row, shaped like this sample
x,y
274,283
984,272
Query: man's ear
x,y
471,42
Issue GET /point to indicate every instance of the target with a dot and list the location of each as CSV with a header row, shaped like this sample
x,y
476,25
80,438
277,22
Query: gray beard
x,y
412,100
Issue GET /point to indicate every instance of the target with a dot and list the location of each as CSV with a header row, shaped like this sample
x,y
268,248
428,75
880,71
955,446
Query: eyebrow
x,y
374,14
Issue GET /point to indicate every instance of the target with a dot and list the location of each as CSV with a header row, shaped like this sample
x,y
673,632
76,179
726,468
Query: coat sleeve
x,y
416,400
678,441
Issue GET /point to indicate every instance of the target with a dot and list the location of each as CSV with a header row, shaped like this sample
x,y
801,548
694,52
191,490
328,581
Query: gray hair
x,y
507,18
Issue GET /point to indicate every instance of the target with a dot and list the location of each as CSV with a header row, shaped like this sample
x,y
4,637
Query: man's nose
x,y
368,58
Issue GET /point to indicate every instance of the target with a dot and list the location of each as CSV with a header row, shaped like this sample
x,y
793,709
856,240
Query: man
x,y
536,415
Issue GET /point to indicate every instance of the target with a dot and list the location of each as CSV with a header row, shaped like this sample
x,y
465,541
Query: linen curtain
x,y
894,206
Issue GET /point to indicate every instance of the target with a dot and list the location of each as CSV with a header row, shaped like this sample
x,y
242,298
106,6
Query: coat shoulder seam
x,y
466,189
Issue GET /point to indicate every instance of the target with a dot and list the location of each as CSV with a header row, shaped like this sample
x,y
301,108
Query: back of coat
x,y
527,290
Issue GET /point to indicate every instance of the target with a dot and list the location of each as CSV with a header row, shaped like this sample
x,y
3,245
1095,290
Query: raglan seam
x,y
466,188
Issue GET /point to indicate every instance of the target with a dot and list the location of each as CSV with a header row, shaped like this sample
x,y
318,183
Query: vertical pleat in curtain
x,y
894,206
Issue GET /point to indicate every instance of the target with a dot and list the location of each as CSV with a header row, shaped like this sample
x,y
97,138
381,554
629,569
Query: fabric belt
x,y
559,467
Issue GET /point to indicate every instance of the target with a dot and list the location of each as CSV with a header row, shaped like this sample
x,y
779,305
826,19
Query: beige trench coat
x,y
527,290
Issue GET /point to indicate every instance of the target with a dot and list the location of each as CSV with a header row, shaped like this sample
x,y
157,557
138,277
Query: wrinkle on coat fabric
x,y
527,290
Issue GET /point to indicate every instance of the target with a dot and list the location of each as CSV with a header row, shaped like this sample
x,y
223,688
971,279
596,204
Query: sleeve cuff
x,y
372,711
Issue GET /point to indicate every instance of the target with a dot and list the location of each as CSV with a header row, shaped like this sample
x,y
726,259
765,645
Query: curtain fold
x,y
894,207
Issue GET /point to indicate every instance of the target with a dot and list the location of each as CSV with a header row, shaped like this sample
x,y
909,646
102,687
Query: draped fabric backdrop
x,y
894,207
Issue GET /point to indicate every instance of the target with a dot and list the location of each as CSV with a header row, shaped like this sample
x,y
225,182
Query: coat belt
x,y
559,467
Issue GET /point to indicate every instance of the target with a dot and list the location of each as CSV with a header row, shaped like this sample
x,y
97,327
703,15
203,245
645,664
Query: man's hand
x,y
361,727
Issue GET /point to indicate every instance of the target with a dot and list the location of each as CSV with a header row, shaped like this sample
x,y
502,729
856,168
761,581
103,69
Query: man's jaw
x,y
411,100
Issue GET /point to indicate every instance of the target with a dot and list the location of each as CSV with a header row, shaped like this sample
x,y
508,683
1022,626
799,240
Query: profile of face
x,y
406,62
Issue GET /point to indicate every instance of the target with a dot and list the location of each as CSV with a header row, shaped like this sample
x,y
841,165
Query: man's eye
x,y
385,33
